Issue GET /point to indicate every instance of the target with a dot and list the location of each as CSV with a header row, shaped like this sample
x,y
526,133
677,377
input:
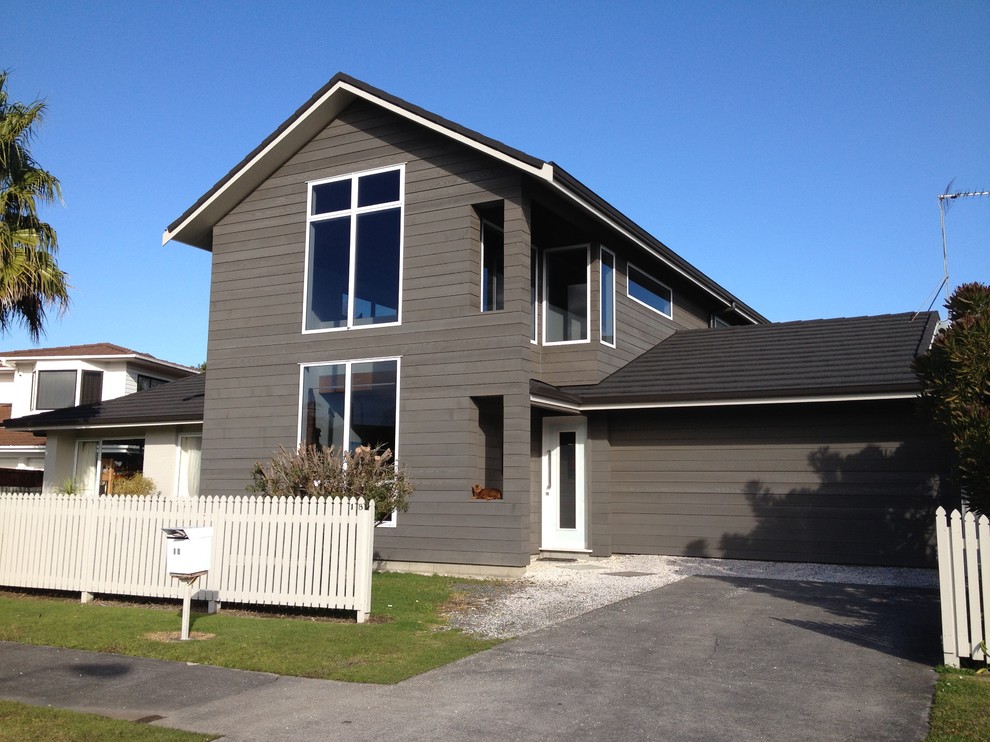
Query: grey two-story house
x,y
382,275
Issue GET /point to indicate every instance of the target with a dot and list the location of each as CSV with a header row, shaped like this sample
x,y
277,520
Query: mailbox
x,y
188,549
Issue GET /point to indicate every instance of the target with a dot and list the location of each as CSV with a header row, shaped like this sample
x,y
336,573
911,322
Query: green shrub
x,y
316,471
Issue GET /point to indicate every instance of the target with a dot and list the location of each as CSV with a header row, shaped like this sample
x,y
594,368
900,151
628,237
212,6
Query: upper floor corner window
x,y
354,250
649,291
565,295
57,389
492,267
608,297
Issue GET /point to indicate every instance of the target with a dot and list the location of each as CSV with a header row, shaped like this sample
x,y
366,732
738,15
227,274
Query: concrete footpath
x,y
704,658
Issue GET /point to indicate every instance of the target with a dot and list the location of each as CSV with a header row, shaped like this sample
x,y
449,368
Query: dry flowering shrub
x,y
318,471
136,484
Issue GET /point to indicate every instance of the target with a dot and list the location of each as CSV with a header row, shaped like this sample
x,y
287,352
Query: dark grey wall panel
x,y
853,484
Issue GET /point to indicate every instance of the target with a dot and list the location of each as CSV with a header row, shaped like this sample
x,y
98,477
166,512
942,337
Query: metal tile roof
x,y
817,358
176,401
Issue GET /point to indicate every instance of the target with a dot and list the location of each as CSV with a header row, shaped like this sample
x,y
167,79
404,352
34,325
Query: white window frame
x,y
629,269
354,211
391,523
493,225
587,299
534,299
601,296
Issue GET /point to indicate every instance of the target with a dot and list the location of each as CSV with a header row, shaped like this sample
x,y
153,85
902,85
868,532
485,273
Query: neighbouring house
x,y
76,377
381,275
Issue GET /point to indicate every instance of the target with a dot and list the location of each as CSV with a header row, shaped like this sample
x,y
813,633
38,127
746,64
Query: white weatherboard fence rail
x,y
313,552
964,584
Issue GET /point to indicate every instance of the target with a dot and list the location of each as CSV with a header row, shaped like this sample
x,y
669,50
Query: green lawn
x,y
20,722
961,709
406,635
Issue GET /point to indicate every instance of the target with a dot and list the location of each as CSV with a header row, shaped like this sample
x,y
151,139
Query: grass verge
x,y
19,722
407,635
961,707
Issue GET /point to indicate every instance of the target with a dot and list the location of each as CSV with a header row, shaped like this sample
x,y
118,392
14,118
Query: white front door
x,y
563,495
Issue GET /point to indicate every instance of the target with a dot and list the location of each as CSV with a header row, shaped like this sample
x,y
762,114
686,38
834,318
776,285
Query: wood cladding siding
x,y
850,484
449,351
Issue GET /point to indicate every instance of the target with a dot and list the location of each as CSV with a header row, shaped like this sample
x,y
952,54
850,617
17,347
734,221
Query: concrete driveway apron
x,y
701,659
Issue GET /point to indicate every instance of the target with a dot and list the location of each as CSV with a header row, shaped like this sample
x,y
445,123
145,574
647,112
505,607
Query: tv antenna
x,y
945,201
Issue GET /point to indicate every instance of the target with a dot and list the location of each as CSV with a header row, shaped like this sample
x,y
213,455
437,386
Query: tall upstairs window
x,y
354,250
492,267
607,293
565,295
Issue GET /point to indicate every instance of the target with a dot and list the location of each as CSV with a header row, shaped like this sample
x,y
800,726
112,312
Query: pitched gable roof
x,y
195,226
855,357
171,403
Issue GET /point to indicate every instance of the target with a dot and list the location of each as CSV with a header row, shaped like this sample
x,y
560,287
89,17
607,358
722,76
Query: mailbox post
x,y
187,558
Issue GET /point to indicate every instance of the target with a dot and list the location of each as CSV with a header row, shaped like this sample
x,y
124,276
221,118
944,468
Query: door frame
x,y
552,537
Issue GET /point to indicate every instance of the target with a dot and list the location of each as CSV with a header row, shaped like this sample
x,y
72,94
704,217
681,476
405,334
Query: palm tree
x,y
30,279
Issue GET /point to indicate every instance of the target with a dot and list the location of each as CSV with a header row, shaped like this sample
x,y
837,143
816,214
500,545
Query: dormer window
x,y
354,250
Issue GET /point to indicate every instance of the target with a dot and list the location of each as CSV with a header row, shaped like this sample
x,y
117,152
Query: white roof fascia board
x,y
554,404
115,357
544,402
755,401
110,425
307,126
22,449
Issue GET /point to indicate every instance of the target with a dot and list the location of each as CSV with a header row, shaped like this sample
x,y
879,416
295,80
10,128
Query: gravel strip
x,y
554,591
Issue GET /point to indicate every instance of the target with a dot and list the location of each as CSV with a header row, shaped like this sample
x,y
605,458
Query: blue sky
x,y
791,150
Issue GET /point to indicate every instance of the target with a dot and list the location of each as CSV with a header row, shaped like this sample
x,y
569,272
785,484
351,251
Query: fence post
x,y
363,557
945,584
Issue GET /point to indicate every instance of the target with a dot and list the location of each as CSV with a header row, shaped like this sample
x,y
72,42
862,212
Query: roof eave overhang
x,y
554,404
41,428
146,360
195,227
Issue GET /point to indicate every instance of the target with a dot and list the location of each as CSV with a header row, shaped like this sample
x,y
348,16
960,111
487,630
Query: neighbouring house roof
x,y
844,358
195,226
87,351
16,437
172,403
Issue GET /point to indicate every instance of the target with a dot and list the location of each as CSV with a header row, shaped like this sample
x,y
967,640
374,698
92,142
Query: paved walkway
x,y
704,658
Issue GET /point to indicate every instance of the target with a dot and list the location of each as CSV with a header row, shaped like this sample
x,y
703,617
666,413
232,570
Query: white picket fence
x,y
964,584
312,552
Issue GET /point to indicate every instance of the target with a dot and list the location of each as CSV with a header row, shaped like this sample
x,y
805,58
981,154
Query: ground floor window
x,y
190,448
102,463
350,404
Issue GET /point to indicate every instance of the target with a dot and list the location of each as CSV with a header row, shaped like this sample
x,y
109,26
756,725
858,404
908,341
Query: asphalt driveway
x,y
701,659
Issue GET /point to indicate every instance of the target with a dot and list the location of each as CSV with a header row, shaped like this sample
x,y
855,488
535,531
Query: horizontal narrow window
x,y
647,290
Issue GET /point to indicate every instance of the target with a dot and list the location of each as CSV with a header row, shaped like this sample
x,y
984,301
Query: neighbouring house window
x,y
100,463
190,451
649,291
55,389
350,404
354,250
492,267
608,298
565,295
91,387
148,382
534,300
